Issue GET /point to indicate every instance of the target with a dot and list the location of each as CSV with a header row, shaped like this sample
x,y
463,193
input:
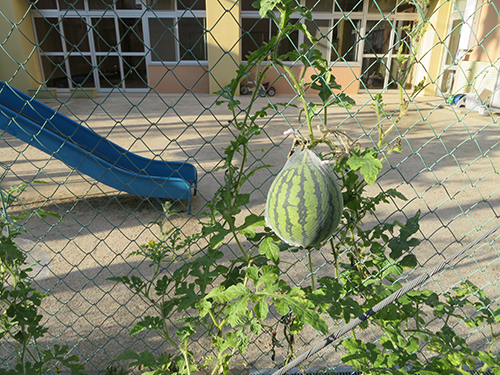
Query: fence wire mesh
x,y
140,73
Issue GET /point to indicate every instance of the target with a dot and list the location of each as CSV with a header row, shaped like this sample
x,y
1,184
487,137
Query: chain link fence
x,y
140,74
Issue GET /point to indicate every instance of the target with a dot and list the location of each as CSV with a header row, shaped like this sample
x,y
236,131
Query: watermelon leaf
x,y
261,309
368,165
269,248
267,6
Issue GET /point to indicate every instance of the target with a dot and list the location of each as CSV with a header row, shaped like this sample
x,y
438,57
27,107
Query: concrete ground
x,y
448,170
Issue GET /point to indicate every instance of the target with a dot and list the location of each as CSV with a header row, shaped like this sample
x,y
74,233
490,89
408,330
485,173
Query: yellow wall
x,y
18,59
223,42
434,47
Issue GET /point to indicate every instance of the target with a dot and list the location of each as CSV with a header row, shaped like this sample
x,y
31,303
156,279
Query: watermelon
x,y
304,204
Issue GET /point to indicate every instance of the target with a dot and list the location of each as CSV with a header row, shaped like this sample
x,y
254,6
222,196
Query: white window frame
x,y
142,14
363,16
175,15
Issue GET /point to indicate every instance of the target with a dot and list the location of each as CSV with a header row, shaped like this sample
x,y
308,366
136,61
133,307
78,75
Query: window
x,y
60,4
75,35
381,6
161,4
321,30
162,39
130,32
128,4
345,40
320,6
107,43
329,6
337,43
134,70
109,71
50,40
377,37
104,34
374,72
191,39
256,31
81,71
54,71
45,4
247,4
345,6
338,38
177,39
100,4
453,40
191,4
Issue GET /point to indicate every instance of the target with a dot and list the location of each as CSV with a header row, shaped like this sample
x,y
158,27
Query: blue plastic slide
x,y
88,152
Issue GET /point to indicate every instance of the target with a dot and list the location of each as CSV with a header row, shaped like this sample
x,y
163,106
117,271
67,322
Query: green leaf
x,y
325,84
266,278
254,221
149,322
217,294
395,194
253,273
220,234
235,291
302,27
351,308
221,294
267,6
304,12
203,307
409,261
185,332
59,354
269,248
255,327
281,307
242,200
261,309
367,164
218,239
144,358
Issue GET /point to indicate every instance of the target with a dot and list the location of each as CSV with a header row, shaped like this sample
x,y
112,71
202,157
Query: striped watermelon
x,y
304,204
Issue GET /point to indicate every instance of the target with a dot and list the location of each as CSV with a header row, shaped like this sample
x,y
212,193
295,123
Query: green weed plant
x,y
20,318
231,303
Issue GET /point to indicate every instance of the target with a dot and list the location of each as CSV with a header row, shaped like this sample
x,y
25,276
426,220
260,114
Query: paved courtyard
x,y
448,170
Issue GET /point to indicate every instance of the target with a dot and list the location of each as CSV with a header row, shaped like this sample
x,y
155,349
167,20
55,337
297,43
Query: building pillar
x,y
18,57
433,47
223,39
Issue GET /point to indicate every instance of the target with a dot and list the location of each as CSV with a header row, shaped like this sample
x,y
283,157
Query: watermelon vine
x,y
249,294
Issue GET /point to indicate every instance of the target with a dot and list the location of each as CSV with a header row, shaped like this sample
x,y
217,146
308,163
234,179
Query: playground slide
x,y
88,152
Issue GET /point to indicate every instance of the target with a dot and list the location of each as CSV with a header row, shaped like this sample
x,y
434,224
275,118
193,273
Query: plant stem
x,y
301,96
186,359
335,259
240,245
259,76
311,270
244,158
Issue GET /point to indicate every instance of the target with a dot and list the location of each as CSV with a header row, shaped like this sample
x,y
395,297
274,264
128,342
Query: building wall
x,y
433,49
182,78
487,44
346,77
18,58
224,53
223,42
